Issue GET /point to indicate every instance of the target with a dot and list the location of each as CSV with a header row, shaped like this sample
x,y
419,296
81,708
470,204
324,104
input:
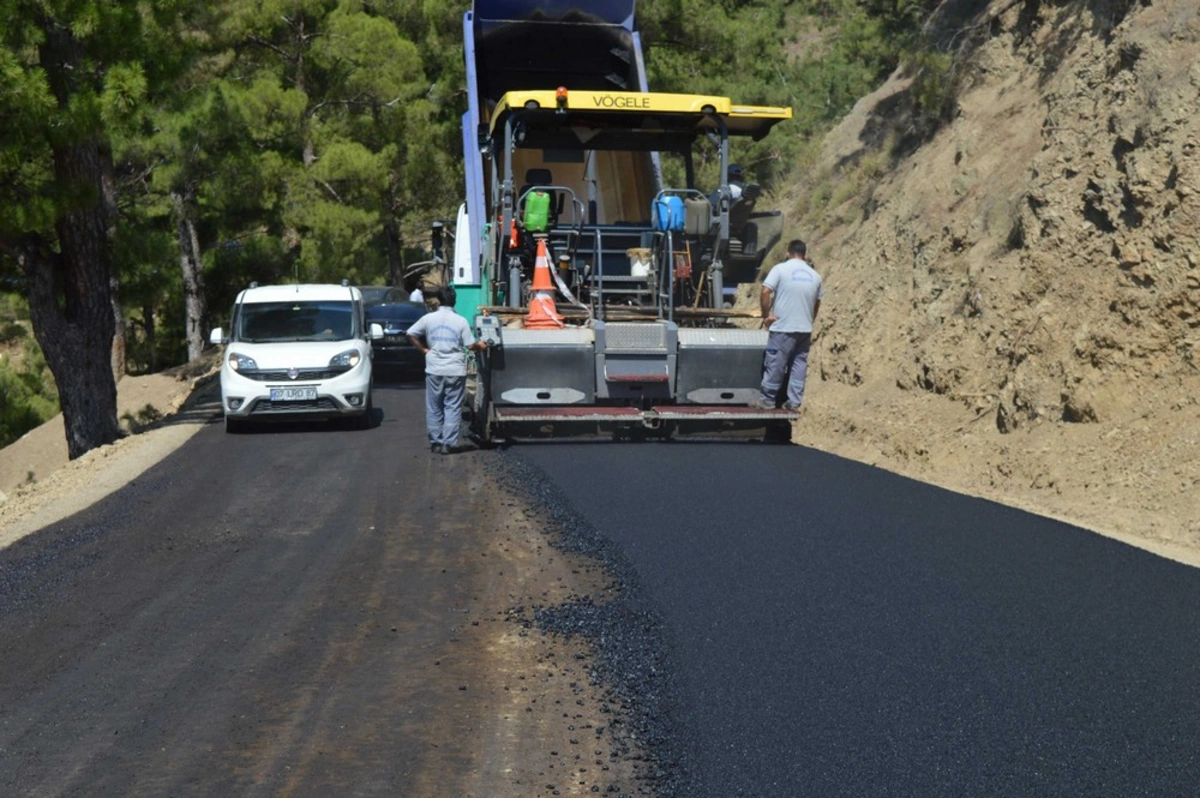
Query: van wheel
x,y
234,426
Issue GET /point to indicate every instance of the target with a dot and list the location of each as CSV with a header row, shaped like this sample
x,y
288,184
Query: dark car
x,y
374,294
394,351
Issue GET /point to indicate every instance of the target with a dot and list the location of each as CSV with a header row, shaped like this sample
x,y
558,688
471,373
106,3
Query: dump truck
x,y
603,292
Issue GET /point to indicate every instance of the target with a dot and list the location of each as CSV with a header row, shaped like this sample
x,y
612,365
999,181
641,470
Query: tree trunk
x,y
194,308
309,154
149,329
108,194
70,304
393,239
118,355
391,235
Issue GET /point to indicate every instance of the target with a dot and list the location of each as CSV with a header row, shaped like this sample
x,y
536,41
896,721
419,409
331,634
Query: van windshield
x,y
275,322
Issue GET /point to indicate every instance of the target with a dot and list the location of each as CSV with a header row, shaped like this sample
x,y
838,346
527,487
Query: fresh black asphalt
x,y
833,629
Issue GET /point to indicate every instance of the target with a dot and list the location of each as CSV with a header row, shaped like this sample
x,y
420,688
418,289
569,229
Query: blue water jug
x,y
667,214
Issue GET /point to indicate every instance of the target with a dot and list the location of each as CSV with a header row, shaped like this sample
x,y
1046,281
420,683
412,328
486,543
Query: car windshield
x,y
372,294
272,322
396,312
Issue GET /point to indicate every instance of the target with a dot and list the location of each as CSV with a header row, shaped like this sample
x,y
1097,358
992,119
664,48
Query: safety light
x,y
560,99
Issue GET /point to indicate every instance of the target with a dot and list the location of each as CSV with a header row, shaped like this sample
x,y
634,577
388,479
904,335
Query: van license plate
x,y
306,393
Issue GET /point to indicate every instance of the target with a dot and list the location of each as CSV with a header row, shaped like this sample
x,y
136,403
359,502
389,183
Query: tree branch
x,y
287,56
332,192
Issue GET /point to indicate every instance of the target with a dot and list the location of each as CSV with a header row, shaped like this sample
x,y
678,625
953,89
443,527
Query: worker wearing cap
x,y
791,296
443,337
735,179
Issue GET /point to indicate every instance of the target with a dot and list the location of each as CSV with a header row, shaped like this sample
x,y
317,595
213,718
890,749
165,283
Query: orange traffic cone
x,y
543,313
541,269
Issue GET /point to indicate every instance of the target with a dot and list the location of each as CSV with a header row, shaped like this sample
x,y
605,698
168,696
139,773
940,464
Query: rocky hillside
x,y
1013,301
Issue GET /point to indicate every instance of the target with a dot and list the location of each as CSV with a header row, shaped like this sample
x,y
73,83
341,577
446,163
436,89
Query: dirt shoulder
x,y
1012,298
1124,480
40,485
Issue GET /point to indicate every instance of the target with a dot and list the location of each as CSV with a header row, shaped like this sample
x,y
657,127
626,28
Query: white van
x,y
297,352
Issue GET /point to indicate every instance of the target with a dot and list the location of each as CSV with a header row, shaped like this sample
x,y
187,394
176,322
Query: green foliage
x,y
143,419
816,56
367,59
11,331
115,47
934,88
297,134
13,307
28,397
309,138
123,96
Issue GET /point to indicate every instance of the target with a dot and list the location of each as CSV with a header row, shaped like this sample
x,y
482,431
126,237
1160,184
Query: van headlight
x,y
241,362
346,360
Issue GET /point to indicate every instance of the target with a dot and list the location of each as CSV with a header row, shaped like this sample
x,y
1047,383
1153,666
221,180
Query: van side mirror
x,y
217,337
376,331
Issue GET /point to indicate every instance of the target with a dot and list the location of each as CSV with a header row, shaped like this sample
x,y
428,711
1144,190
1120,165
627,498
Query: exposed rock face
x,y
1013,304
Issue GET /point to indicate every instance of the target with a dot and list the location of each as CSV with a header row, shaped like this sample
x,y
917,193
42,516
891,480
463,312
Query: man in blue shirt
x,y
791,296
443,337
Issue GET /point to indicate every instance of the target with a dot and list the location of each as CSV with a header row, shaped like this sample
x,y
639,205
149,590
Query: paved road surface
x,y
301,611
297,612
838,630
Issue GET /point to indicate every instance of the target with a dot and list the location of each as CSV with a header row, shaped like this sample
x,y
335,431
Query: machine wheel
x,y
481,402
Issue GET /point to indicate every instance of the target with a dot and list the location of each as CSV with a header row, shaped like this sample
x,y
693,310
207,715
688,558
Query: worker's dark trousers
x,y
786,352
443,407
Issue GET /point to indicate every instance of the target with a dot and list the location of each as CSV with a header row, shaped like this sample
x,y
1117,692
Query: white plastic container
x,y
640,261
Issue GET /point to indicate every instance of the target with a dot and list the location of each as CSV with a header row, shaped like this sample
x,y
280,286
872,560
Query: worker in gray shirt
x,y
443,337
791,296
